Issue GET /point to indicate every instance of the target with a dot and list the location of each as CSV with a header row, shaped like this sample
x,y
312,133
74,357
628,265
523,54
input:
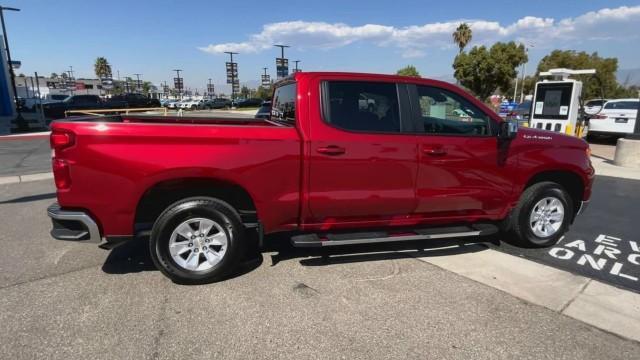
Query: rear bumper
x,y
73,225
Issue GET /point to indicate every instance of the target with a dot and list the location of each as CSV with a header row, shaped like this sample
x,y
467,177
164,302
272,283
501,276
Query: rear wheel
x,y
542,216
197,240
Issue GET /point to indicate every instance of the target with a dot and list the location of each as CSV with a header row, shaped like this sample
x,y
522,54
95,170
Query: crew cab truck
x,y
332,172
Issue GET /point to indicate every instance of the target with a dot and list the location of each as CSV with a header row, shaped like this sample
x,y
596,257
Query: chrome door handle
x,y
331,150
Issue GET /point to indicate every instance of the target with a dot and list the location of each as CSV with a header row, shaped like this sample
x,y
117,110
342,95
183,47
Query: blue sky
x,y
153,37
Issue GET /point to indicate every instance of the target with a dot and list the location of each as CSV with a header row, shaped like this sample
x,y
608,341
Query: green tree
x,y
483,70
408,70
606,69
462,36
146,87
264,92
102,68
53,76
244,91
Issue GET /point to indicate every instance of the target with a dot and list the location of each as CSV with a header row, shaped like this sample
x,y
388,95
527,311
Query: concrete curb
x,y
607,168
15,179
603,306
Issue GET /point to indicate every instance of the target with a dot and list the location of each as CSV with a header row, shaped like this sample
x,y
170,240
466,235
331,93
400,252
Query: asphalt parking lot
x,y
61,300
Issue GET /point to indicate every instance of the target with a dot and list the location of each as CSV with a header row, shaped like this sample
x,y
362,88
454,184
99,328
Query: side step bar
x,y
323,240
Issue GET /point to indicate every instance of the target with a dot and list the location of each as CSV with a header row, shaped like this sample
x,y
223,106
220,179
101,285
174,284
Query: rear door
x,y
362,166
463,170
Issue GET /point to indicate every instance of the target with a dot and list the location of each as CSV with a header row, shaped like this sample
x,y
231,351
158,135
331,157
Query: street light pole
x,y
233,75
524,71
281,72
179,83
138,82
296,62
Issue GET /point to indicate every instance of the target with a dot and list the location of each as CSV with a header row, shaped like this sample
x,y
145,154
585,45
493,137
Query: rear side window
x,y
284,104
362,106
622,105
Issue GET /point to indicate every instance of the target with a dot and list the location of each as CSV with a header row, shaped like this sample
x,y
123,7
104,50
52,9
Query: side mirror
x,y
508,129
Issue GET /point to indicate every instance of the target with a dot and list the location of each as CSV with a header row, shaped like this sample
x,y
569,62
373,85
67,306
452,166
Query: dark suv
x,y
135,100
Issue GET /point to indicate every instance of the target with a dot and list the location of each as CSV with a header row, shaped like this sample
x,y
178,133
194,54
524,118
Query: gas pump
x,y
557,101
7,105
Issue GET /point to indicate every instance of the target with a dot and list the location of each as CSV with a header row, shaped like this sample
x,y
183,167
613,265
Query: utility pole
x,y
178,84
210,90
138,87
71,78
233,69
282,65
524,71
296,68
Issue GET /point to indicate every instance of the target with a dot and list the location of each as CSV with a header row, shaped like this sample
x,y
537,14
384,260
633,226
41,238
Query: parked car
x,y
172,104
617,118
592,107
192,104
165,102
55,97
135,101
322,169
249,102
56,110
264,112
220,103
522,112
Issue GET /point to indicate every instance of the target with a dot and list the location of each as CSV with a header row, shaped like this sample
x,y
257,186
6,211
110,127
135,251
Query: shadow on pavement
x,y
29,198
133,256
372,252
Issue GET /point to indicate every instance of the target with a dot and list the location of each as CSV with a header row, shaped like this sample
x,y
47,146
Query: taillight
x,y
599,116
61,174
61,139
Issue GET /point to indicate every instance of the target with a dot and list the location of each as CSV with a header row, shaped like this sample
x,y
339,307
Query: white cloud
x,y
619,23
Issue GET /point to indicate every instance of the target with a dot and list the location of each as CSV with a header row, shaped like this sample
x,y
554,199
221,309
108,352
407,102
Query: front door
x,y
362,167
462,172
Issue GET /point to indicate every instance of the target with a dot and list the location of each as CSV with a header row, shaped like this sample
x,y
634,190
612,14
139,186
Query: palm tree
x,y
462,36
102,68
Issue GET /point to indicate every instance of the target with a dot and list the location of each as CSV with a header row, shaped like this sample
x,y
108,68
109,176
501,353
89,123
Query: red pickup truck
x,y
422,159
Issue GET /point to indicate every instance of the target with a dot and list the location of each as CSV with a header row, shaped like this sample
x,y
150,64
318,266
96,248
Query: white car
x,y
191,104
618,117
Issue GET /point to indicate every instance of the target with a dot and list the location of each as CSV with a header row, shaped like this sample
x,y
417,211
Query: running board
x,y
323,240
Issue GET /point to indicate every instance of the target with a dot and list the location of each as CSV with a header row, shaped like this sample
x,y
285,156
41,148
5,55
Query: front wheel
x,y
197,240
542,216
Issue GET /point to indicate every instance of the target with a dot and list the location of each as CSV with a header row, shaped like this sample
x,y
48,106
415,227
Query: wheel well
x,y
570,181
156,199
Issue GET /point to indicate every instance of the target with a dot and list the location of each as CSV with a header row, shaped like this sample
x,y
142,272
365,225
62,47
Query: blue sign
x,y
507,107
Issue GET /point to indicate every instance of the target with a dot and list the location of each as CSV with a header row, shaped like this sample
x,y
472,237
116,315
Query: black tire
x,y
197,207
518,223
